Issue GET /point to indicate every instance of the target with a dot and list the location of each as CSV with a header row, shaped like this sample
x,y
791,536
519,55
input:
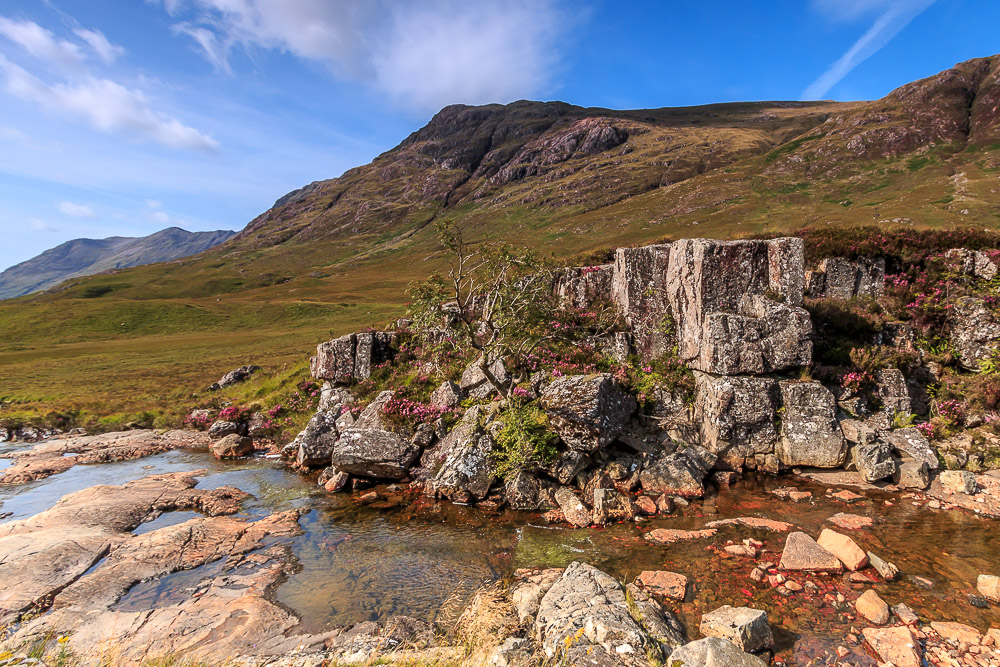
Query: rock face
x,y
719,294
351,357
584,286
679,474
638,287
974,331
584,619
803,553
974,262
841,278
373,453
587,411
736,416
810,434
893,392
745,627
713,652
236,376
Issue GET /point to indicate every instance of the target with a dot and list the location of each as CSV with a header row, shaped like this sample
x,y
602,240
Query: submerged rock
x,y
801,552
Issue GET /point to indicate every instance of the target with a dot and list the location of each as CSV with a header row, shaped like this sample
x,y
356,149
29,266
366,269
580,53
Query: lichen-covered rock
x,y
566,466
374,453
810,434
893,392
372,416
474,383
713,652
959,481
371,349
736,416
910,443
610,506
674,414
334,359
874,460
912,474
524,491
235,376
447,395
661,625
638,288
222,428
468,470
842,278
581,287
584,619
679,474
573,508
233,446
587,411
332,398
719,293
974,330
974,262
747,628
317,440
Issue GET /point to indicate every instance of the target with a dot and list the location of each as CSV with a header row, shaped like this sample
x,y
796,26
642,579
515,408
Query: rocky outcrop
x,y
910,443
679,474
351,357
973,330
638,287
583,287
736,417
476,385
975,263
810,434
841,278
373,452
587,411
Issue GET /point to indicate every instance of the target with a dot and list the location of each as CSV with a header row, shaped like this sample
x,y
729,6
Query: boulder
x,y
842,278
373,453
810,434
638,288
475,385
988,586
524,491
334,359
975,263
713,652
572,508
336,481
674,414
974,330
582,287
679,474
910,443
236,376
468,470
874,460
372,416
872,608
719,294
233,446
584,619
895,645
221,429
447,395
317,440
959,481
745,627
736,416
844,548
912,474
587,411
610,506
801,552
665,584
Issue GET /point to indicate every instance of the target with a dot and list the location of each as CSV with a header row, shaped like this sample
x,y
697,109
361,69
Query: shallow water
x,y
421,558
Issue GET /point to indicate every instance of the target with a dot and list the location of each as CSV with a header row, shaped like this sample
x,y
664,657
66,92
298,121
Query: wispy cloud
x,y
41,43
96,40
76,210
894,15
424,55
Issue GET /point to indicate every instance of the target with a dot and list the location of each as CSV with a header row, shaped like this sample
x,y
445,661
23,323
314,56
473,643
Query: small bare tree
x,y
499,300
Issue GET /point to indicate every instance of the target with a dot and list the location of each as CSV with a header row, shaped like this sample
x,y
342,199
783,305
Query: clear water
x,y
409,555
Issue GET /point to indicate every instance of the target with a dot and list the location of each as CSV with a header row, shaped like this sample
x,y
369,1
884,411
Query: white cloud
x,y
104,49
76,210
39,225
154,203
107,106
425,54
41,43
897,15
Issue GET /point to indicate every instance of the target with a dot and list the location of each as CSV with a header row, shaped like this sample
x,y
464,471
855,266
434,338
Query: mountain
x,y
337,254
84,257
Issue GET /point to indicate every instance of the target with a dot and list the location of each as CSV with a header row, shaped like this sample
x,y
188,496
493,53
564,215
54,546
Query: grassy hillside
x,y
336,255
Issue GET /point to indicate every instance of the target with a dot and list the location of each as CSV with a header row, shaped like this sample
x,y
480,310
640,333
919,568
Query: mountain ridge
x,y
85,256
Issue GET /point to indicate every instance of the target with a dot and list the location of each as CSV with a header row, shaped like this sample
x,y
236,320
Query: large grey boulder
x,y
974,330
679,474
587,411
910,443
713,652
317,440
720,295
374,453
810,434
468,470
582,287
745,627
584,619
638,288
736,416
333,398
873,459
660,624
351,357
841,278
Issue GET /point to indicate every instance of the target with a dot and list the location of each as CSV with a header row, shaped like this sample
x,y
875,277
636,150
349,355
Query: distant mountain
x,y
84,257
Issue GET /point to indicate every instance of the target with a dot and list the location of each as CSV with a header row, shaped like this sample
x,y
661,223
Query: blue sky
x,y
122,117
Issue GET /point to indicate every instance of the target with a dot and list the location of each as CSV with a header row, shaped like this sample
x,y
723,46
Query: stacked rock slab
x,y
351,357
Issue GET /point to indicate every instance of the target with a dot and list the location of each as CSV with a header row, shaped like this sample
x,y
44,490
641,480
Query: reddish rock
x,y
958,632
743,550
645,505
753,522
851,521
873,608
846,496
336,482
669,535
803,553
799,496
989,586
896,645
666,584
844,548
665,504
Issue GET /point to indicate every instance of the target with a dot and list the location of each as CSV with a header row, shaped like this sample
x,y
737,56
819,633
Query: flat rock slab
x,y
665,584
803,553
753,522
670,535
55,456
959,632
896,645
42,555
747,628
713,652
851,521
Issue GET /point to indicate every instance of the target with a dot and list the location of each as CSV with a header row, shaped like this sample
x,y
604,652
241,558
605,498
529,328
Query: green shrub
x,y
526,437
